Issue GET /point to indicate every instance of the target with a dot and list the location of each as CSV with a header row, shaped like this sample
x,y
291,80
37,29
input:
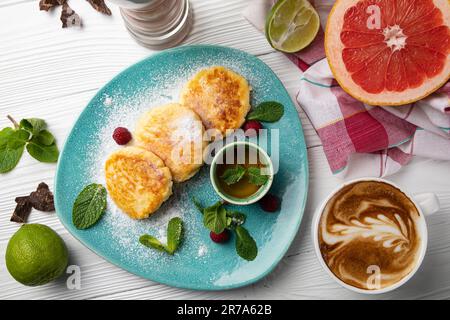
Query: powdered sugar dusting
x,y
124,111
108,100
202,250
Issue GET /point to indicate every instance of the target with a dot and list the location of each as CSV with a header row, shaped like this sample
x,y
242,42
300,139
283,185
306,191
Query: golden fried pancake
x,y
137,181
219,96
175,134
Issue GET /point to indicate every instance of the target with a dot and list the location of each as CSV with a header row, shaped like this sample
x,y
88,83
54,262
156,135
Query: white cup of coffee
x,y
371,236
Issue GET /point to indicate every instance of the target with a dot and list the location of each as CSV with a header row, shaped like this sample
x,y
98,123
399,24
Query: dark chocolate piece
x,y
100,6
22,210
42,198
50,4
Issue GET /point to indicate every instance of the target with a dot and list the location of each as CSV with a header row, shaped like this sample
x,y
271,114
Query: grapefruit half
x,y
389,52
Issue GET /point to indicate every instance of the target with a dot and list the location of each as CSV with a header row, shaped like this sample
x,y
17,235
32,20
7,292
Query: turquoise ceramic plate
x,y
199,263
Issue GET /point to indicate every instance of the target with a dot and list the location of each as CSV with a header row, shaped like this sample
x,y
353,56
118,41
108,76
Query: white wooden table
x,y
52,73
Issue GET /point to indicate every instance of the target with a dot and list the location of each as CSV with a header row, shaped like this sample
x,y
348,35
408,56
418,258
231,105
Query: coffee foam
x,y
367,226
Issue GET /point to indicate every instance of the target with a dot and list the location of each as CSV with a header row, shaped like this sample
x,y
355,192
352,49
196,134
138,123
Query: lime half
x,y
292,25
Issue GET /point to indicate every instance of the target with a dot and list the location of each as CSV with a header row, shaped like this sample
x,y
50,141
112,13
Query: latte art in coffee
x,y
369,235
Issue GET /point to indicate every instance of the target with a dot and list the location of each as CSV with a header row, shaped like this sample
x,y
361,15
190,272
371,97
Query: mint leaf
x,y
89,206
5,134
198,205
269,111
9,157
215,218
255,176
41,151
245,245
233,175
12,143
45,138
33,125
234,219
151,242
174,234
16,138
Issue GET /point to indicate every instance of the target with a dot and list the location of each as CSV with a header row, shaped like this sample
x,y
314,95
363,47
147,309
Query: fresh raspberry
x,y
121,135
252,127
270,203
221,237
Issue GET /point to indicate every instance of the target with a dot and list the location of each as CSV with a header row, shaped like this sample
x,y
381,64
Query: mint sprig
x,y
89,206
219,219
30,134
234,175
174,237
269,111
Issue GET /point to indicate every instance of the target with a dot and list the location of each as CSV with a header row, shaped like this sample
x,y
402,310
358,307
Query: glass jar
x,y
156,24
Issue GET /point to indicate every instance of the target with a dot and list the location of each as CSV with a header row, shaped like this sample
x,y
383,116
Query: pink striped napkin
x,y
358,139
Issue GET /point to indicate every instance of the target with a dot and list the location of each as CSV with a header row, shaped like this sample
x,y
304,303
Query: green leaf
x,y
245,245
20,136
89,206
5,134
45,138
215,218
269,111
33,125
233,175
42,152
235,219
9,157
151,242
12,143
255,176
174,234
198,205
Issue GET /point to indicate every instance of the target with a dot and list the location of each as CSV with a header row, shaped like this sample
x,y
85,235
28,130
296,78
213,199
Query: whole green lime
x,y
36,255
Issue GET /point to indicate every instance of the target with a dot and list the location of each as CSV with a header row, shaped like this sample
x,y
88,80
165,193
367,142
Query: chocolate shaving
x,y
42,198
49,4
22,210
69,17
100,6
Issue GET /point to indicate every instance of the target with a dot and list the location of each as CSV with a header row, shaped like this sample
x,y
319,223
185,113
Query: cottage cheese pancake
x,y
369,226
220,97
137,181
175,134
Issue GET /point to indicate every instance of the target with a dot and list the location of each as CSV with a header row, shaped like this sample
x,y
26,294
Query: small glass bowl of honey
x,y
244,159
